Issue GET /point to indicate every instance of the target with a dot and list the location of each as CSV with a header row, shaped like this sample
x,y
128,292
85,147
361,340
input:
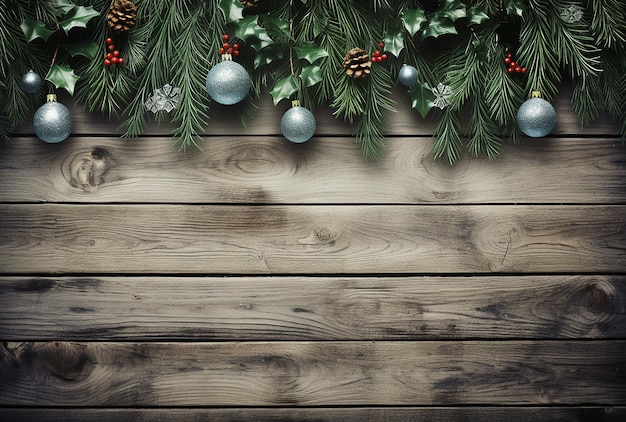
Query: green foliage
x,y
296,49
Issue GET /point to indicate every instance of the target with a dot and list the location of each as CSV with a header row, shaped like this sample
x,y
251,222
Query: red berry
x,y
513,64
509,55
120,60
510,69
236,53
114,60
507,60
109,56
236,46
229,51
381,44
109,40
107,62
111,47
222,51
384,57
518,69
376,53
116,53
523,70
226,45
225,37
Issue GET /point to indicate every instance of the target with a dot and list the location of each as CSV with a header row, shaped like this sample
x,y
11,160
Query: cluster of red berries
x,y
227,48
112,55
377,56
514,67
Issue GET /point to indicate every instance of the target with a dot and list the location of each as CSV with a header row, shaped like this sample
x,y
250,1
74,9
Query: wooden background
x,y
262,280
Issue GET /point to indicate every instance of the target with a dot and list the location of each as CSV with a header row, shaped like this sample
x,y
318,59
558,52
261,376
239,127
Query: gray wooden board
x,y
327,170
313,373
166,239
312,308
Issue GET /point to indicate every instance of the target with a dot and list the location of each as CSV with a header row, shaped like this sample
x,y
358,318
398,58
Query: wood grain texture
x,y
337,414
225,120
308,374
174,239
312,308
326,170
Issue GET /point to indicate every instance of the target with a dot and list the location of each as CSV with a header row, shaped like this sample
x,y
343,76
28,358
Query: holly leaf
x,y
275,25
64,5
423,99
33,29
413,20
311,75
232,10
63,77
255,36
437,26
310,51
78,17
452,9
476,15
284,88
480,49
394,41
85,48
268,54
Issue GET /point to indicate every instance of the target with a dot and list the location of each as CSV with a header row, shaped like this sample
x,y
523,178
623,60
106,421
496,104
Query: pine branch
x,y
448,141
608,22
482,130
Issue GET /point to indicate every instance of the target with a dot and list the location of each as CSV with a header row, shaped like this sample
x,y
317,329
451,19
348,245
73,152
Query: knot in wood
x,y
324,235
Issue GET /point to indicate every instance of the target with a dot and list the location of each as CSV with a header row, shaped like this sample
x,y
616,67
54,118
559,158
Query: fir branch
x,y
369,130
482,130
448,141
608,22
537,51
192,49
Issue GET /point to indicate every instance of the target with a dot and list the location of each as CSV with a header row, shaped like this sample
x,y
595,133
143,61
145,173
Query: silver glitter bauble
x,y
407,75
31,82
536,117
52,121
298,124
228,82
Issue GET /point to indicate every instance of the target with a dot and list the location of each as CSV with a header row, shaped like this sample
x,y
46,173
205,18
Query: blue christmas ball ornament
x,y
407,75
52,121
297,124
31,82
536,117
228,82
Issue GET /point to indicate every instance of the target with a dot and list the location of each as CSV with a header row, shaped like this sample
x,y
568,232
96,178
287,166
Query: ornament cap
x,y
51,98
226,57
535,94
295,103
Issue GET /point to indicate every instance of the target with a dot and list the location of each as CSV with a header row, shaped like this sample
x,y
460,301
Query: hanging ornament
x,y
31,82
571,14
442,95
357,63
407,75
122,15
228,82
52,121
298,123
165,98
536,117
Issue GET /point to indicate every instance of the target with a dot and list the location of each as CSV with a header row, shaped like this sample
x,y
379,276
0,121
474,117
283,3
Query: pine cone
x,y
357,63
122,15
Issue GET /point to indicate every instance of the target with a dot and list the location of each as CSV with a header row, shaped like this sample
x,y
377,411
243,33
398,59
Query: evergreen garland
x,y
295,50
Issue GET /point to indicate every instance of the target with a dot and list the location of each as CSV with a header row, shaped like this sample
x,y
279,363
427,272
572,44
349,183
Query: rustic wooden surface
x,y
261,280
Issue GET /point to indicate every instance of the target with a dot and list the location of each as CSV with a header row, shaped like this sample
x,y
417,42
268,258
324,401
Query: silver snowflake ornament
x,y
572,13
442,95
165,98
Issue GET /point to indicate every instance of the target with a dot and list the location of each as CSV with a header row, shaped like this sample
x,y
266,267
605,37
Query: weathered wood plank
x,y
225,120
174,239
329,170
337,414
311,308
308,374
